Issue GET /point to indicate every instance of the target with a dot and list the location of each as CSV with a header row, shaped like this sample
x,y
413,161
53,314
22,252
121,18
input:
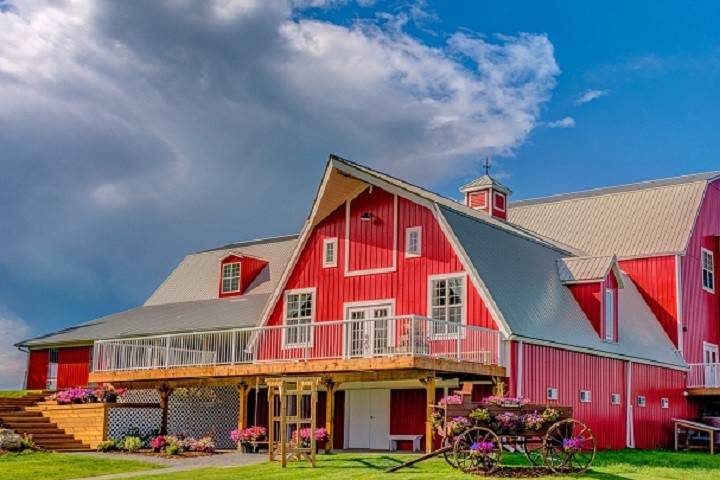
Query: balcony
x,y
704,379
401,342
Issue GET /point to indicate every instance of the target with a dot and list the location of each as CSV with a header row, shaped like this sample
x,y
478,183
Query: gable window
x,y
641,402
708,270
330,252
299,315
609,315
664,403
413,242
447,304
585,396
231,278
552,393
615,398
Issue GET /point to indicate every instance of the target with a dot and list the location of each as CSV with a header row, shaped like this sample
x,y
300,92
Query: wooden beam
x,y
330,388
430,402
312,367
242,390
165,392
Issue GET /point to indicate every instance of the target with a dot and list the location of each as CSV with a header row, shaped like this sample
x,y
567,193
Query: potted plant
x,y
248,438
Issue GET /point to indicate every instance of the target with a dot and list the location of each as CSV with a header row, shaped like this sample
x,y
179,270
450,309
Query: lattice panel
x,y
194,412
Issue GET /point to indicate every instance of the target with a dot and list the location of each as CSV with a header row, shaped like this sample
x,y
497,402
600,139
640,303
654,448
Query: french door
x,y
369,330
712,369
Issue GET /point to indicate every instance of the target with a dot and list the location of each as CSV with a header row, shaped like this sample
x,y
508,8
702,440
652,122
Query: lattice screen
x,y
195,412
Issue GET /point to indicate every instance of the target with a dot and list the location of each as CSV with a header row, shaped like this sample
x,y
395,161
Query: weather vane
x,y
487,165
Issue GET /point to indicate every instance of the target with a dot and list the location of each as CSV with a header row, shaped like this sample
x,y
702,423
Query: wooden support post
x,y
330,388
271,426
165,393
283,426
430,401
242,389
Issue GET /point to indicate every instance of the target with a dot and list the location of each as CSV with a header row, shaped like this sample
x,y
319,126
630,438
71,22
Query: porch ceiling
x,y
365,369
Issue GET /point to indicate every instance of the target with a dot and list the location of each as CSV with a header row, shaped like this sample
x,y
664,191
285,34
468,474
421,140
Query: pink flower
x,y
482,448
452,400
158,443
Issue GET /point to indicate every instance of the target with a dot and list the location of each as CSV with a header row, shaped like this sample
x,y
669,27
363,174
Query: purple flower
x,y
572,444
482,448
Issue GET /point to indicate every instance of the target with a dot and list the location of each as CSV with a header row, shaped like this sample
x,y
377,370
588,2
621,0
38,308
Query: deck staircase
x,y
15,416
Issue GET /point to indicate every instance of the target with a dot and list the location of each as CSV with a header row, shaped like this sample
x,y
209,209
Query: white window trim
x,y
711,347
409,231
311,340
609,330
704,251
613,396
552,393
334,242
463,317
644,401
372,271
588,396
664,403
222,277
495,205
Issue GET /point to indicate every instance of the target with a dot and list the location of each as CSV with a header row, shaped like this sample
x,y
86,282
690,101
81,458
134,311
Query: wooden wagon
x,y
476,434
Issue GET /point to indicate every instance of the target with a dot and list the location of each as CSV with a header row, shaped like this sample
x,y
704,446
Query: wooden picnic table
x,y
688,426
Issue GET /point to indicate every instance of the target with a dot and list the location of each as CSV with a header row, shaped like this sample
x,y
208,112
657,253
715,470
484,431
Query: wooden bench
x,y
415,439
688,426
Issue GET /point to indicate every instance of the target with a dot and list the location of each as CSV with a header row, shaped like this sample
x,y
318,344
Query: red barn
x,y
604,300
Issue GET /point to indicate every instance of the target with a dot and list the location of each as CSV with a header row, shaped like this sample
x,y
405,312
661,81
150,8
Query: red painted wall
x,y
588,297
408,285
371,242
655,280
478,200
37,369
701,314
499,207
652,424
407,414
73,367
570,372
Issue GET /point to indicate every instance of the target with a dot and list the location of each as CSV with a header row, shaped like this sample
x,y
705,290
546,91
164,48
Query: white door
x,y
712,370
368,415
369,332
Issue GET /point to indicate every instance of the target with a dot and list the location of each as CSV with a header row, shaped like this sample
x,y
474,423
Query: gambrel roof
x,y
647,218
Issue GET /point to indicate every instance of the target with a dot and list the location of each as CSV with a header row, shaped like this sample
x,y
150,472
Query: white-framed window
x,y
664,402
641,401
609,315
552,393
615,399
413,242
330,247
498,201
585,396
447,303
231,277
299,317
708,270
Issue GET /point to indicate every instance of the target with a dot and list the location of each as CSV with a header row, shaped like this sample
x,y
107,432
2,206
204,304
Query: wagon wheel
x,y
486,459
533,450
448,454
569,446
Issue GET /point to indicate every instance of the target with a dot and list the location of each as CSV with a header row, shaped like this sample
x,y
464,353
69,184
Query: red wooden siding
x,y
478,200
701,315
408,285
655,280
73,367
37,369
570,372
588,295
371,241
653,424
407,414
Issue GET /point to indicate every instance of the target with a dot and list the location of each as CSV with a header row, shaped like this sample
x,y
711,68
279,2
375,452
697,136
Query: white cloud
x,y
590,95
149,129
567,122
12,361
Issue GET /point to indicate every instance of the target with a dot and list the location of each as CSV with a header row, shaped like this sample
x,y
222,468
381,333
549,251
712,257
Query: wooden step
x,y
51,436
27,427
41,431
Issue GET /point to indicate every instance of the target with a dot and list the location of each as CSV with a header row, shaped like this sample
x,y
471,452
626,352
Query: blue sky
x,y
133,134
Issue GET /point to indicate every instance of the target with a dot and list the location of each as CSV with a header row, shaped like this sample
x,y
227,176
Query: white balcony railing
x,y
381,337
704,375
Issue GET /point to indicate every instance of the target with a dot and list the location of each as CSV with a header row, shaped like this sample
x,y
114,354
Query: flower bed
x,y
104,394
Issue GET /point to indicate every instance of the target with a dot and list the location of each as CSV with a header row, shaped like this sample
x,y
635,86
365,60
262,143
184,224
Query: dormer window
x,y
231,278
708,270
609,315
330,252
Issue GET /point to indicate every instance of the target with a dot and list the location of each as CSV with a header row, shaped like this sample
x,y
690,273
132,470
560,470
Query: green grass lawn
x,y
347,466
16,393
58,466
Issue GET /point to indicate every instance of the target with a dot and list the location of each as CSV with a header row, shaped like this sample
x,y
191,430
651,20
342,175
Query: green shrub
x,y
132,444
107,446
172,449
27,443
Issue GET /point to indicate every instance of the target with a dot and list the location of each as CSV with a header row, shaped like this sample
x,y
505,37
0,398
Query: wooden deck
x,y
364,369
703,391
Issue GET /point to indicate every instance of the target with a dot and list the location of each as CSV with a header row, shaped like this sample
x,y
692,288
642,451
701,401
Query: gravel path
x,y
223,460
